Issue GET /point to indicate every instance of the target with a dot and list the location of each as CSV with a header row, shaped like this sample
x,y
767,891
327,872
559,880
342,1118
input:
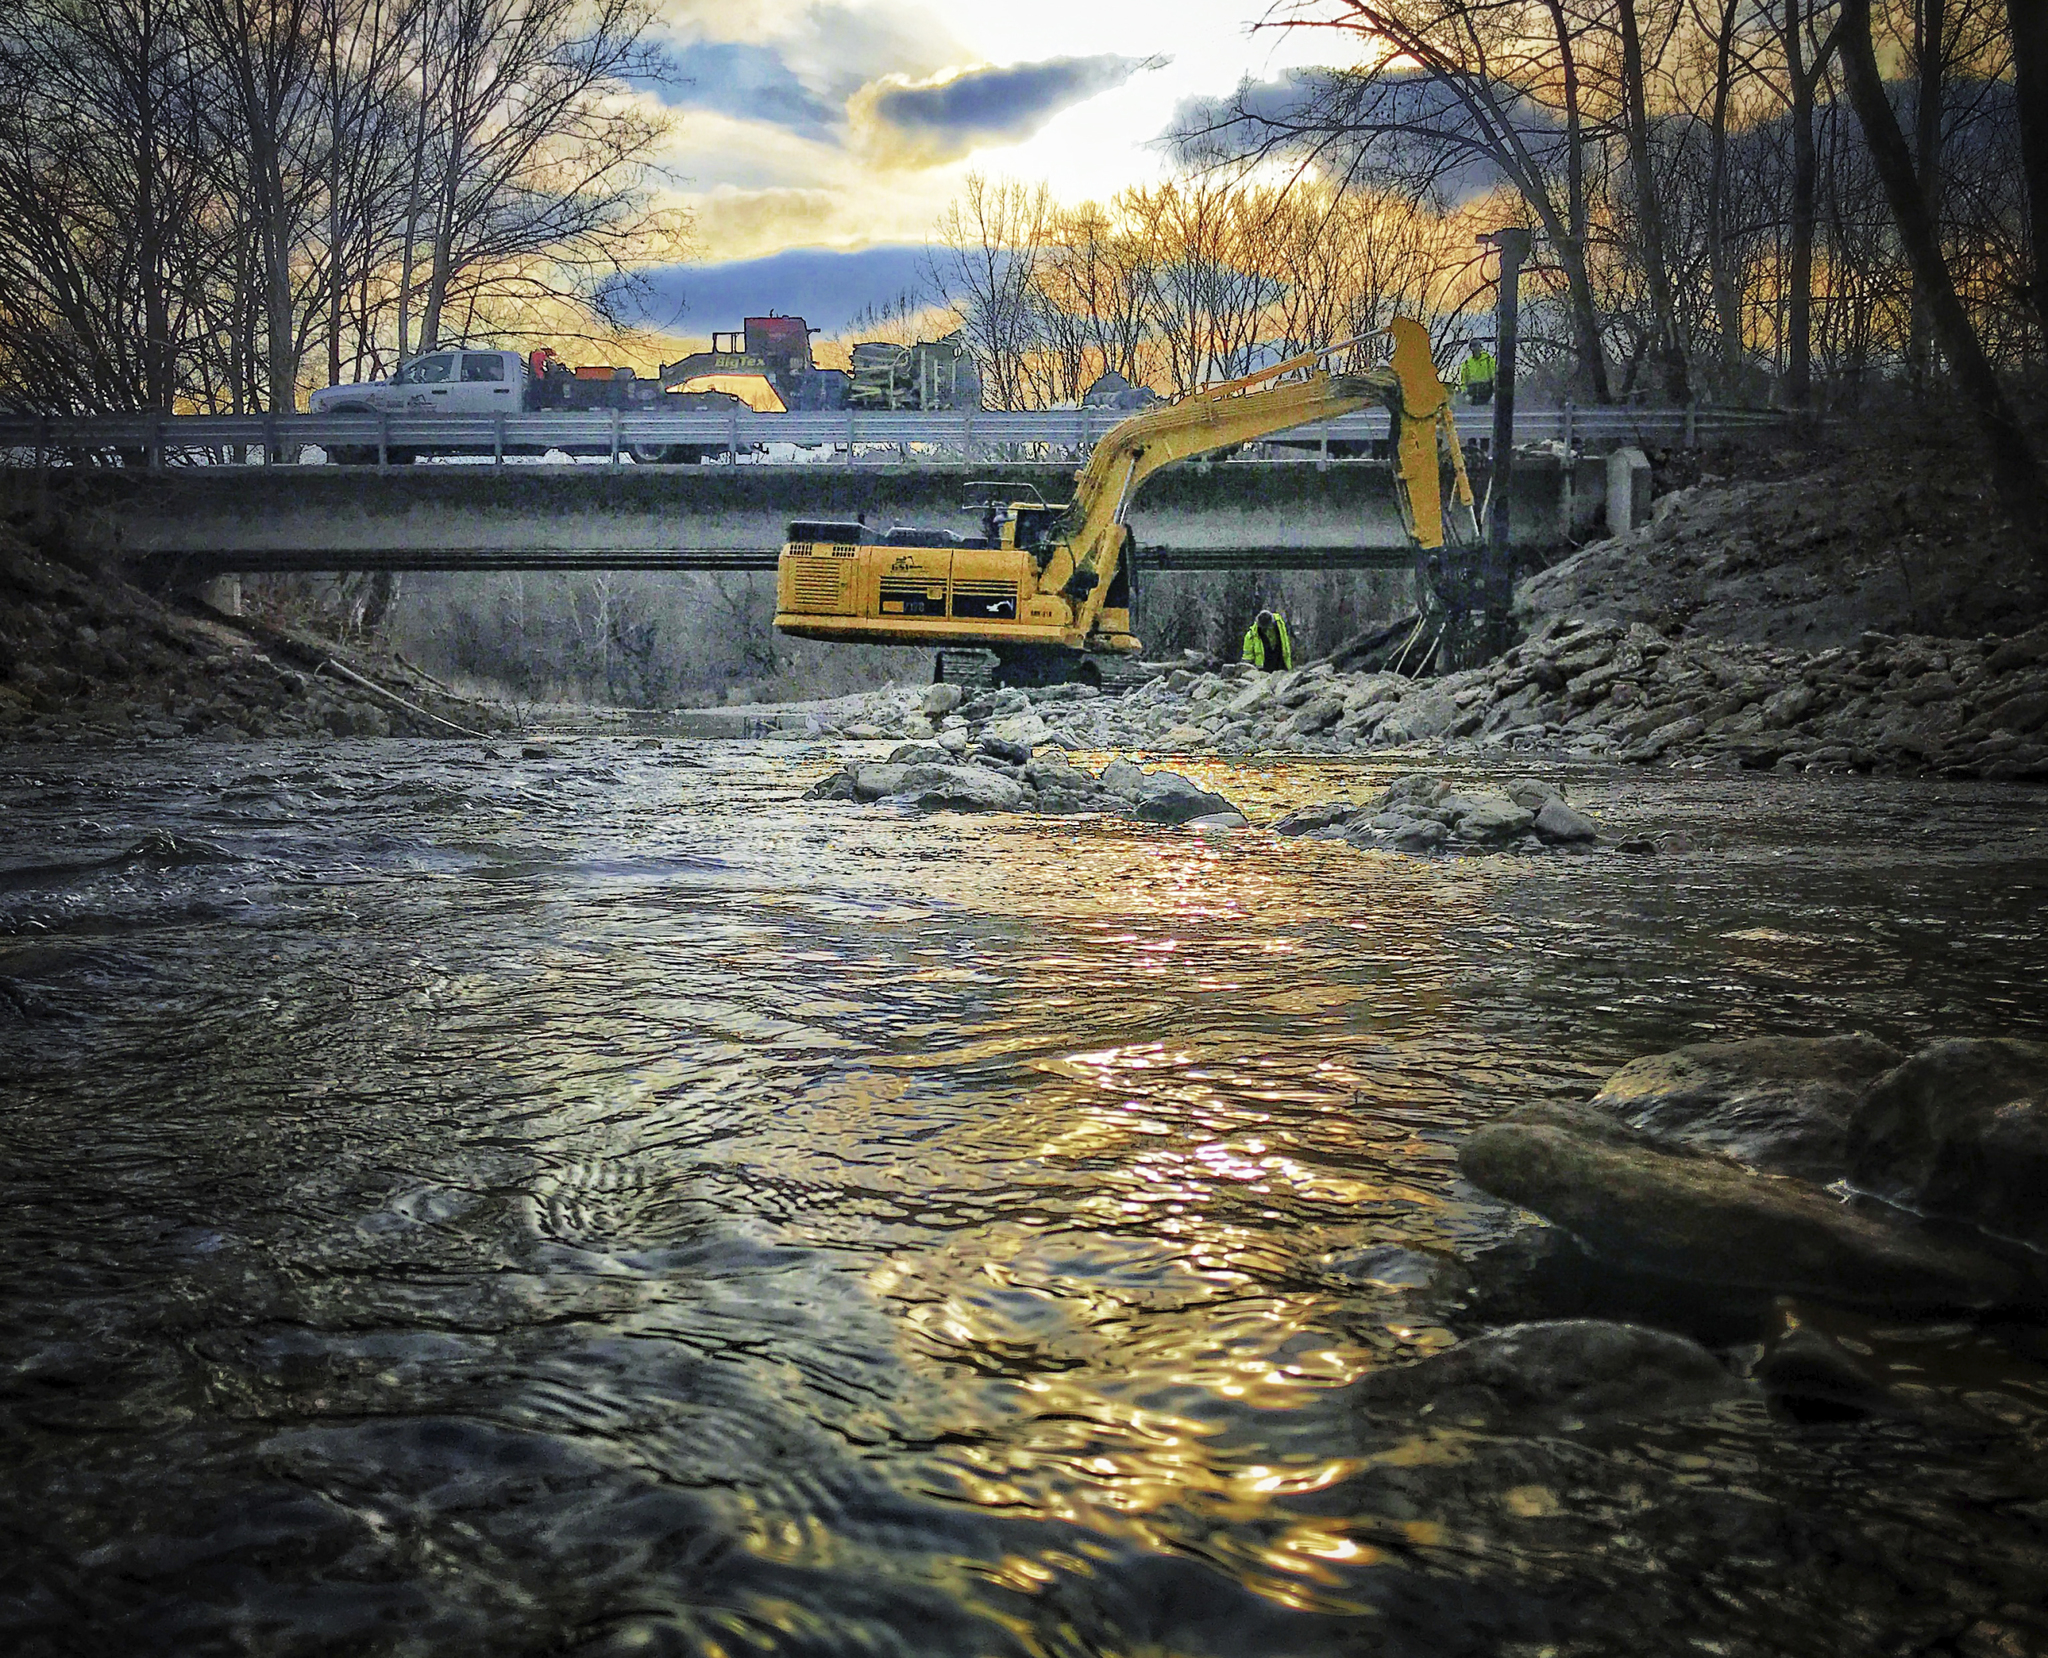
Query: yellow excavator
x,y
1047,588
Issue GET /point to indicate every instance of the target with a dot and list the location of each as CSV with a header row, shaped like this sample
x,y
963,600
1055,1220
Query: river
x,y
455,1202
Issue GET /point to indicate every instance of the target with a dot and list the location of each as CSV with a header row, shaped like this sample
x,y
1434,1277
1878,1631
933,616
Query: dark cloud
x,y
1404,125
1011,103
746,81
827,287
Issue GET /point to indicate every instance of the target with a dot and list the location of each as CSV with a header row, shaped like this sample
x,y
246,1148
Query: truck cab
x,y
449,381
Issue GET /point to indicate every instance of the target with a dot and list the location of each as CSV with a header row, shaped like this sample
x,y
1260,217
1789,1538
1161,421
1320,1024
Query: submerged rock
x,y
1419,813
1961,1131
1565,1372
1774,1102
1692,1216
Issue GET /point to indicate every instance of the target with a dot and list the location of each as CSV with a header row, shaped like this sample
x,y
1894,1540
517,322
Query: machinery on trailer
x,y
1047,589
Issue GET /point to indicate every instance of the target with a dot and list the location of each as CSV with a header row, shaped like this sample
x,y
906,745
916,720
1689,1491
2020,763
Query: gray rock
x,y
1023,731
1491,818
1167,797
1317,714
941,699
1558,823
1775,1102
1430,714
1811,1377
1710,1221
1123,778
960,789
876,779
1530,795
1232,819
1305,820
1001,748
1414,788
1418,835
1564,1372
1056,771
1961,1130
919,754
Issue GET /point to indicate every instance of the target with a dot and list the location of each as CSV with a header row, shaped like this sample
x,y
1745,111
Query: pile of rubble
x,y
84,656
1590,689
1962,708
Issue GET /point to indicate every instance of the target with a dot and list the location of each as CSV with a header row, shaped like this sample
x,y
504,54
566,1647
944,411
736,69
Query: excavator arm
x,y
1086,550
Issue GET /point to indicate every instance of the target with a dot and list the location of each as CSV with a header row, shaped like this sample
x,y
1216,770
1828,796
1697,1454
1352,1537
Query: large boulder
x,y
1961,1130
1775,1102
1167,797
872,782
958,789
1563,1371
1703,1218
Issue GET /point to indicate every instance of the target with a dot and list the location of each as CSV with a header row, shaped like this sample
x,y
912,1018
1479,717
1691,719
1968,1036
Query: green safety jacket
x,y
1255,647
1478,369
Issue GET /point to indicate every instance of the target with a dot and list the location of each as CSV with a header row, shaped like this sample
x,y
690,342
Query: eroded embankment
x,y
86,655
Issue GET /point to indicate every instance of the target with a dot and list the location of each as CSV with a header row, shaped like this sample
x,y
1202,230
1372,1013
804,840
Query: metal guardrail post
x,y
1568,496
383,440
270,444
498,442
849,434
1692,423
154,461
732,438
615,440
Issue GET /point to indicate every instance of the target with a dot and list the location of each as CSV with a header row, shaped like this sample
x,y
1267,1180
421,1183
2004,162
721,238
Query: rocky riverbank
x,y
1587,688
85,656
1730,1182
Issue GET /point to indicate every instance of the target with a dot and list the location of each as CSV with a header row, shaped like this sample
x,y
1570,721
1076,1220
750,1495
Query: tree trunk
x,y
1649,210
1571,244
1805,170
2015,469
1930,52
1720,267
2030,79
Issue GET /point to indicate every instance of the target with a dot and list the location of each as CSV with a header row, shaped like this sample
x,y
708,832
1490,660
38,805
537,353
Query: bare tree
x,y
2015,468
984,263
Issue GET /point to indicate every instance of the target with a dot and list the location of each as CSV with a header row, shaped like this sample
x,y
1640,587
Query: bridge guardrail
x,y
246,439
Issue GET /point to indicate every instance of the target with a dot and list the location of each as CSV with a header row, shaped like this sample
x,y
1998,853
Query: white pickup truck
x,y
493,382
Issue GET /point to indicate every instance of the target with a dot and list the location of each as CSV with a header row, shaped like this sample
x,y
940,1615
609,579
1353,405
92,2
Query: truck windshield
x,y
427,371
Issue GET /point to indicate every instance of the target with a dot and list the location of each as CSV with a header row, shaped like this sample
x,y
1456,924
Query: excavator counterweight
x,y
1048,588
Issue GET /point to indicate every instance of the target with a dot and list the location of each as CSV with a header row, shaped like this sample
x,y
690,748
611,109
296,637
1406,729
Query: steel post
x,y
1513,246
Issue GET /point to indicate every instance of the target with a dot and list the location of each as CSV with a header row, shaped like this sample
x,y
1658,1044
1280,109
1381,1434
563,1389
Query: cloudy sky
x,y
817,140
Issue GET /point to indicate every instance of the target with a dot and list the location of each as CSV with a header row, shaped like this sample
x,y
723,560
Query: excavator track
x,y
983,670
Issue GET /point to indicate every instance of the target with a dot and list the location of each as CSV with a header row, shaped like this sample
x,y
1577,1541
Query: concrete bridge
x,y
190,524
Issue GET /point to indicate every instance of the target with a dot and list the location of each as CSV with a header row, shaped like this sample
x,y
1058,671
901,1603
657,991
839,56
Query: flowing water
x,y
460,1203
